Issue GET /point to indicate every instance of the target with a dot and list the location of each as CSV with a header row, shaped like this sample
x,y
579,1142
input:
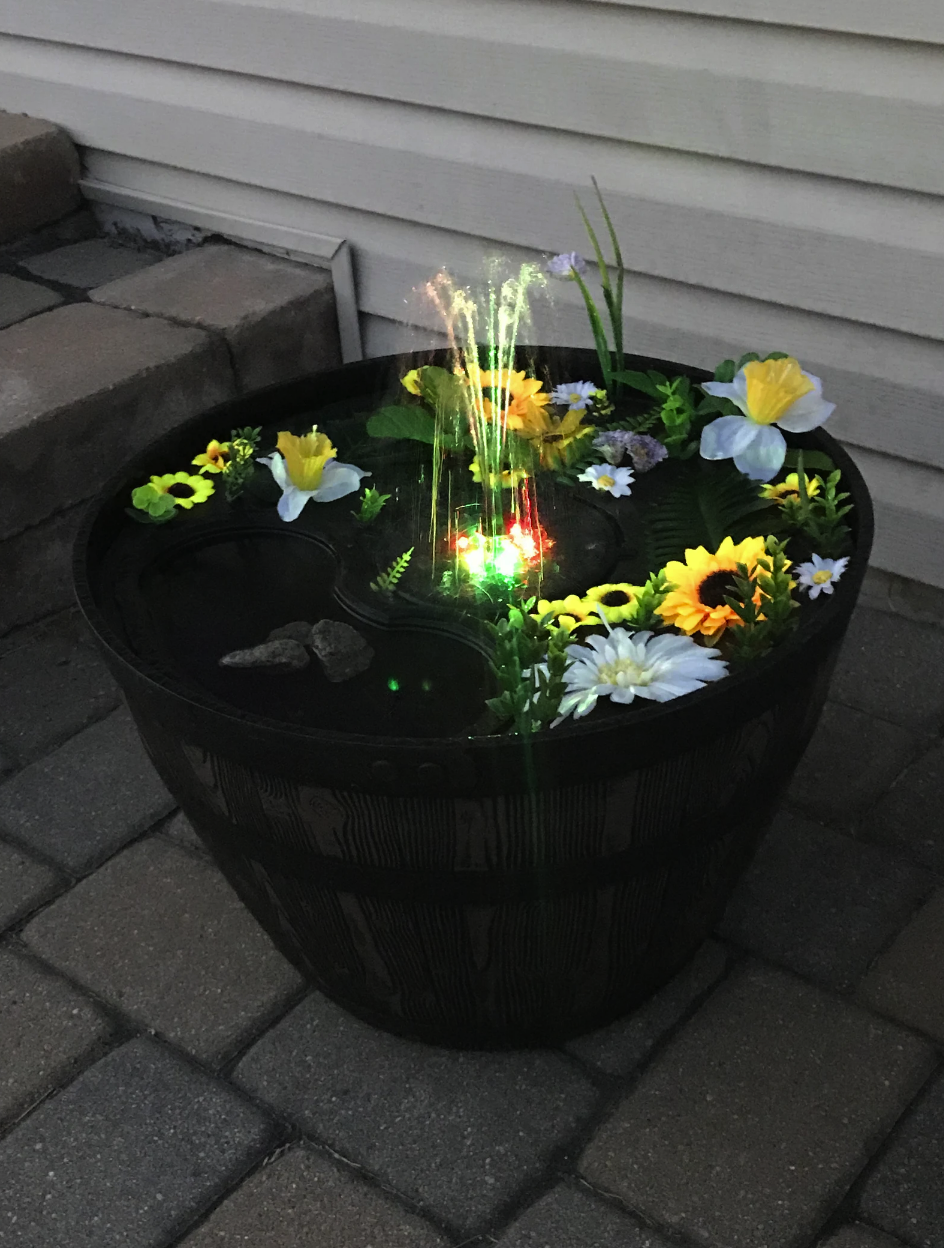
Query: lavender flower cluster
x,y
643,450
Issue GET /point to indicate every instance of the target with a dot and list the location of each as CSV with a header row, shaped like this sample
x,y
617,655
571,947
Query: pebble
x,y
298,630
342,650
275,656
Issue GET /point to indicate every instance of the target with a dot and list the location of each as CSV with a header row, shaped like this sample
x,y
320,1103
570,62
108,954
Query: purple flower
x,y
614,444
645,451
566,265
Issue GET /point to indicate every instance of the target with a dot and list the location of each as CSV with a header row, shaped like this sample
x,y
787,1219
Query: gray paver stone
x,y
47,1030
86,799
571,1218
24,883
39,173
891,667
36,568
126,1156
904,1194
19,299
180,829
52,683
907,981
161,934
821,903
619,1048
83,388
859,1236
90,263
279,318
909,816
759,1114
850,762
303,1192
458,1132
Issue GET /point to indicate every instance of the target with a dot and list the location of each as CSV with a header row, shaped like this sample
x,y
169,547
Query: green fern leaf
x,y
707,504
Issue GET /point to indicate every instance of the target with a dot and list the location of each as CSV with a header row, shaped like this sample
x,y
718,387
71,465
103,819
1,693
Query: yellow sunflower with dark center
x,y
615,601
215,457
696,603
550,435
184,489
789,488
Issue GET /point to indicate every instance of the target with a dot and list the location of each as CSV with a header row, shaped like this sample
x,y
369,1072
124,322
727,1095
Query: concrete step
x,y
87,383
39,175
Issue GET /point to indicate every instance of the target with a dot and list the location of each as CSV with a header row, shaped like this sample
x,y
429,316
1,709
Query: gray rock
x,y
342,650
273,656
298,630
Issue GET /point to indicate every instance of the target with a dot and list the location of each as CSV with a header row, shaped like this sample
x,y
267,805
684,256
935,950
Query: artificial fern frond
x,y
706,505
386,582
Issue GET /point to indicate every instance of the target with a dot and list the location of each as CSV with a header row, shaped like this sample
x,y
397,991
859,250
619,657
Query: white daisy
x,y
577,395
625,665
615,481
820,575
769,393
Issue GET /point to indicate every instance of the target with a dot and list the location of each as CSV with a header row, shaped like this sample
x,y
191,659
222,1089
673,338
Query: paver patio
x,y
166,1079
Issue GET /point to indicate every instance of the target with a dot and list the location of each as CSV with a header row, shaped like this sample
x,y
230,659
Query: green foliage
x,y
529,659
613,299
645,608
151,506
372,502
386,582
244,443
403,422
820,516
811,461
680,410
707,504
766,624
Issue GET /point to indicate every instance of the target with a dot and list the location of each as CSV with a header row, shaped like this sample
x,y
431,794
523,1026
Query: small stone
x,y
275,656
342,650
298,630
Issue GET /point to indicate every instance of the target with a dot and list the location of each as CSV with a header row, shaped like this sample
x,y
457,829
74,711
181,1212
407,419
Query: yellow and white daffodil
x,y
307,468
769,393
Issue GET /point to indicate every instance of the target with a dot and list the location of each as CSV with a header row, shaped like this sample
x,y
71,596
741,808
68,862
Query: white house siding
x,y
775,169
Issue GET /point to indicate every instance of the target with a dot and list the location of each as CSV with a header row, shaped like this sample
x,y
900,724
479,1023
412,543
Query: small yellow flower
x,y
696,604
305,457
411,381
570,612
789,488
215,458
510,477
616,601
184,489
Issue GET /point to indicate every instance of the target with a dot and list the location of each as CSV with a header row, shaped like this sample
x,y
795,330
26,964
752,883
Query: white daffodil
x,y
576,395
769,393
306,468
819,576
615,481
625,665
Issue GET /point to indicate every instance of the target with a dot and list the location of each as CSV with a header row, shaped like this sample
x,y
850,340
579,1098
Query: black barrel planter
x,y
474,891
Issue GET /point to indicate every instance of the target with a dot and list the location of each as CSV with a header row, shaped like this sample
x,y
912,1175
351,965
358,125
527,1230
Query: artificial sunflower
x,y
696,603
789,488
570,612
615,601
523,395
215,458
184,489
550,435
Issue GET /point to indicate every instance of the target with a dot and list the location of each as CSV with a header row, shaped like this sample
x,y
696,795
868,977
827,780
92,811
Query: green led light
x,y
427,686
393,685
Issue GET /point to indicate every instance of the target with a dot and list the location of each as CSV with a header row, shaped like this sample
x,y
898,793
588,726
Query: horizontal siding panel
x,y
888,385
825,246
834,104
921,20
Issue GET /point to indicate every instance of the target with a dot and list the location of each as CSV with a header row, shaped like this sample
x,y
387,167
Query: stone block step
x,y
39,173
